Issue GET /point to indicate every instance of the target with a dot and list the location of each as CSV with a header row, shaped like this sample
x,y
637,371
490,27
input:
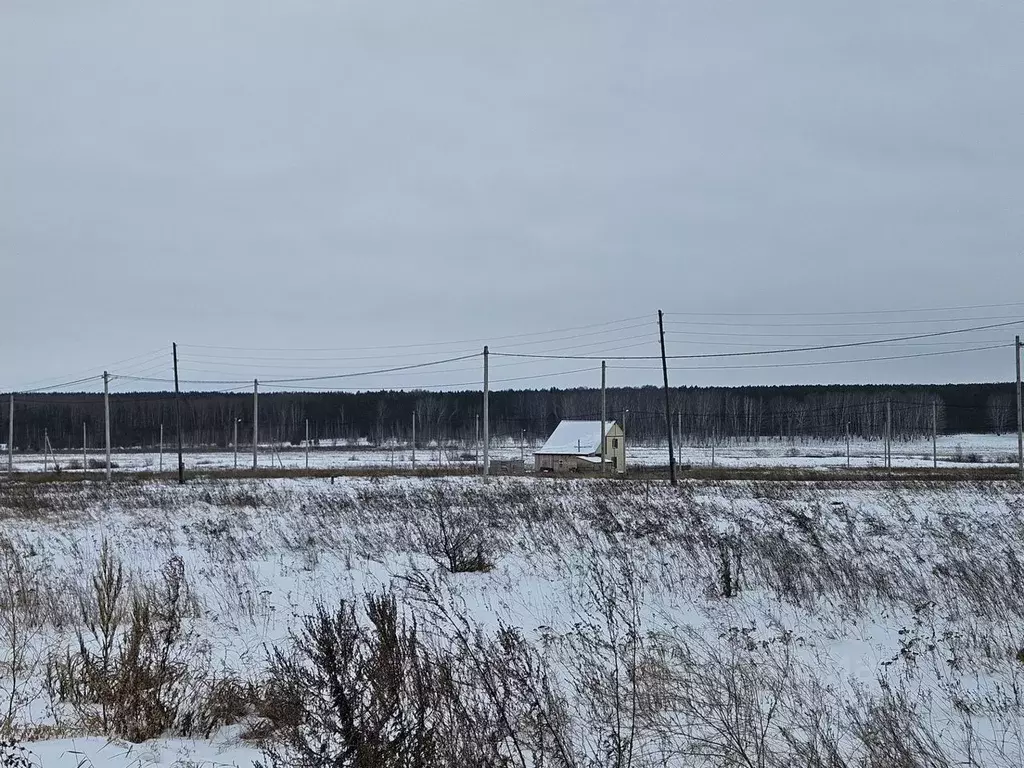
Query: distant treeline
x,y
698,414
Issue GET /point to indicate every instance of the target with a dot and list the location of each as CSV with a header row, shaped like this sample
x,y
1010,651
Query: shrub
x,y
133,674
454,539
373,696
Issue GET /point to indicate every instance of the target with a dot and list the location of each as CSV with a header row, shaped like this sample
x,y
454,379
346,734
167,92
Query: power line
x,y
59,386
374,373
815,362
849,313
423,344
816,348
327,359
428,387
851,323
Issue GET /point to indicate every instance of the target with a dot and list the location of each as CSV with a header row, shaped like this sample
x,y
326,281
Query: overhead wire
x,y
849,312
815,363
789,350
847,324
482,340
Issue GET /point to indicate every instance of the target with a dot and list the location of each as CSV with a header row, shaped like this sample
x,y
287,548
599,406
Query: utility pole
x,y
236,441
106,417
161,446
668,404
625,416
935,434
307,443
604,442
10,437
1020,415
46,449
847,445
85,456
177,417
888,433
255,421
414,438
487,420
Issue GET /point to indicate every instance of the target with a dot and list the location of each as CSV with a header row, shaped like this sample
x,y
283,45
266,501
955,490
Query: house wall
x,y
615,449
545,462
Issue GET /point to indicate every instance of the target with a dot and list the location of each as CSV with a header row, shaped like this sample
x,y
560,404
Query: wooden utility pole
x,y
935,434
414,439
1020,414
307,443
177,417
604,442
487,419
255,421
668,403
10,436
106,418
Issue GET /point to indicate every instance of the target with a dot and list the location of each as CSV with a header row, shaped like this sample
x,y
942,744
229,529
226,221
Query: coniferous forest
x,y
794,412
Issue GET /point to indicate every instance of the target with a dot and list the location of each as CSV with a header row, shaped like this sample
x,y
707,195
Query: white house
x,y
575,446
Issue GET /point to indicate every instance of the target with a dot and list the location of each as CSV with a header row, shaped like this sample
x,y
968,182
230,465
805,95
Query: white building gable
x,y
576,438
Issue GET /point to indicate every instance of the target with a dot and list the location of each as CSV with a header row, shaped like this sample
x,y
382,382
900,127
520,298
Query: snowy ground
x,y
915,587
952,451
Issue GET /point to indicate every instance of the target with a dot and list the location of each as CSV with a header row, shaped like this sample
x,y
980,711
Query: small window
x,y
615,443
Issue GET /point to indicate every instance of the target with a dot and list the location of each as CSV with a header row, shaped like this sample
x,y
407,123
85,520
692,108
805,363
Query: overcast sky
x,y
342,174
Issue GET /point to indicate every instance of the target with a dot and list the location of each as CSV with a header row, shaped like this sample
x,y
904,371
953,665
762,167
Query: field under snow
x,y
786,612
952,451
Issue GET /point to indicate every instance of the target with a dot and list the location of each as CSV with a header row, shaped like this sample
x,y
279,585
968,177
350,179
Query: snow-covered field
x,y
858,594
952,451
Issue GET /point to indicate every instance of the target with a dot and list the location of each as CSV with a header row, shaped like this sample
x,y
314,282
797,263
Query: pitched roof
x,y
576,438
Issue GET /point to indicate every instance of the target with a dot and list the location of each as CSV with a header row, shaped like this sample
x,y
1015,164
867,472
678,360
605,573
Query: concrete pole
x,y
177,418
255,421
106,417
10,437
888,434
487,417
625,417
1020,415
604,442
